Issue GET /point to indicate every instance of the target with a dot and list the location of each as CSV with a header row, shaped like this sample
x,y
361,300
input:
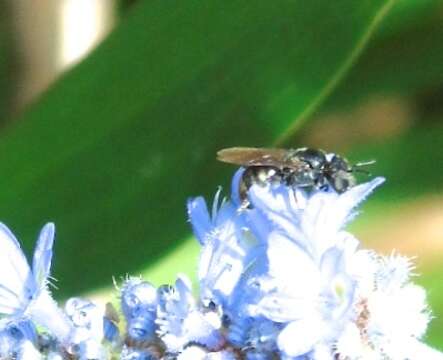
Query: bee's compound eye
x,y
342,181
337,163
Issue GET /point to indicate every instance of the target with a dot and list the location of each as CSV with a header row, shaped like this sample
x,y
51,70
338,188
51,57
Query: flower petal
x,y
16,281
299,337
199,218
41,263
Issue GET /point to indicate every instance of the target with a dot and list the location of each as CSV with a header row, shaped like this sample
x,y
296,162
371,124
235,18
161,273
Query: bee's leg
x,y
294,199
322,182
245,183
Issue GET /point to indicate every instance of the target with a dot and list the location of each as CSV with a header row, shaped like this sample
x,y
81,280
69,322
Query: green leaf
x,y
407,14
404,58
112,151
433,284
409,162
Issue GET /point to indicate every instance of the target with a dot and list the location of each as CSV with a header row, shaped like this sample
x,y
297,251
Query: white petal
x,y
222,257
54,356
342,211
16,281
199,218
91,349
326,213
362,267
27,351
291,266
292,284
44,311
220,268
323,352
399,315
200,331
419,351
221,355
300,337
282,307
192,353
235,186
41,263
279,208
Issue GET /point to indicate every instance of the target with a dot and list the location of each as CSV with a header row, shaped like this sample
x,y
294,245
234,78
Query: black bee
x,y
303,167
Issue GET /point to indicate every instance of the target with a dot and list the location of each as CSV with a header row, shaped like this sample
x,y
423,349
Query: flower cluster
x,y
279,278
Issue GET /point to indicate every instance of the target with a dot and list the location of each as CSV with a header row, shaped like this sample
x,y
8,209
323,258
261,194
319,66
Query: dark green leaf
x,y
403,59
407,14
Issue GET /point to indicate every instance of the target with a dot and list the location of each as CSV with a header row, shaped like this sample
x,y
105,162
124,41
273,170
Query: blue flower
x,y
279,276
139,305
306,284
24,293
180,321
17,338
228,247
223,254
290,281
138,298
256,336
88,329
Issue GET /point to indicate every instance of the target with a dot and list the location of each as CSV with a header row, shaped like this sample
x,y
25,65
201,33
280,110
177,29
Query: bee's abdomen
x,y
259,175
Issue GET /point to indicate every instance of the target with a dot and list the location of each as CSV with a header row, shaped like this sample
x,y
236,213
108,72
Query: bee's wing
x,y
254,156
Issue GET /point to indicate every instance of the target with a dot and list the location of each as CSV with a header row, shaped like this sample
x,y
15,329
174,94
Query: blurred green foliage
x,y
124,5
400,63
434,287
113,149
7,64
411,167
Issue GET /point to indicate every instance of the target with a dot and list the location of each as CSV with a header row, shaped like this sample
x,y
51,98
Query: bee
x,y
303,167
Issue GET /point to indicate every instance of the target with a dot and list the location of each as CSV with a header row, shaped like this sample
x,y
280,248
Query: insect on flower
x,y
302,167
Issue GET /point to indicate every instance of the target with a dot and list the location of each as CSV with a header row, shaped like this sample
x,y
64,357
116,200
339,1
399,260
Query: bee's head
x,y
340,173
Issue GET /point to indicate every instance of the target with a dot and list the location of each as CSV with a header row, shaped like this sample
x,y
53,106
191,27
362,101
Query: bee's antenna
x,y
358,167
